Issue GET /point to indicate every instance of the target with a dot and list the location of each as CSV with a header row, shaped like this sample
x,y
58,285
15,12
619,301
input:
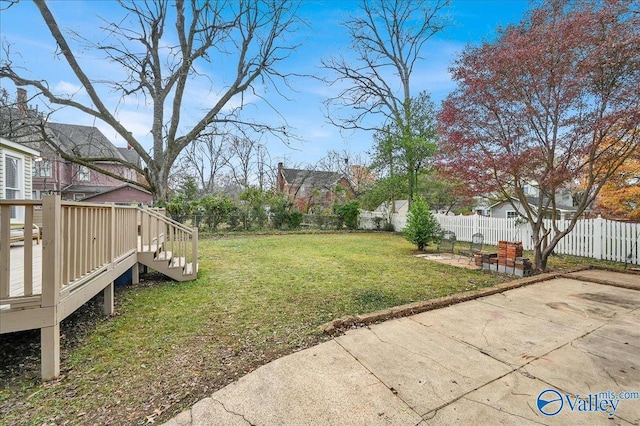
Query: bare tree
x,y
353,166
204,159
266,174
388,40
247,36
241,160
6,4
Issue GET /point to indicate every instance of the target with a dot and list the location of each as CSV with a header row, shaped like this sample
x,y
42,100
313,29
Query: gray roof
x,y
533,201
73,139
107,189
21,128
316,179
84,141
131,156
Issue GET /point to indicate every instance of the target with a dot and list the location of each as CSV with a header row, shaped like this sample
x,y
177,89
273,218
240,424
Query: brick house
x,y
313,191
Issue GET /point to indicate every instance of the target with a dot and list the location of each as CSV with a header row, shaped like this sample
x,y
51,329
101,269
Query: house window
x,y
78,196
83,174
512,214
43,169
13,183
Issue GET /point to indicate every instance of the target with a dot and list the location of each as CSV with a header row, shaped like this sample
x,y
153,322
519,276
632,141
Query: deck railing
x,y
81,240
94,236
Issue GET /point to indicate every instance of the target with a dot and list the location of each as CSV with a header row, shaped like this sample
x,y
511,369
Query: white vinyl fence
x,y
599,238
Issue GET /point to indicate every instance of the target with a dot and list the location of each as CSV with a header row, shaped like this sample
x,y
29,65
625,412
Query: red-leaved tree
x,y
552,101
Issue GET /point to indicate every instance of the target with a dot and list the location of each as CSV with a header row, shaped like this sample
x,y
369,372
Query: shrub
x,y
378,221
279,207
282,214
422,227
253,205
348,213
294,220
216,210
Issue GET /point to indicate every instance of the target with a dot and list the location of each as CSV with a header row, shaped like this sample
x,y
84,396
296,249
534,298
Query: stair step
x,y
188,269
177,262
163,256
149,249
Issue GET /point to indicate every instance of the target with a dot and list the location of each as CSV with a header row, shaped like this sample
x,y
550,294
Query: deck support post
x,y
108,298
135,274
50,351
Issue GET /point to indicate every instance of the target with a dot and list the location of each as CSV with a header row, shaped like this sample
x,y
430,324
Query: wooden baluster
x,y
5,251
28,252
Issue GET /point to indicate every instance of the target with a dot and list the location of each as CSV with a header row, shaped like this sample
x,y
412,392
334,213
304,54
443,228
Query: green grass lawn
x,y
171,344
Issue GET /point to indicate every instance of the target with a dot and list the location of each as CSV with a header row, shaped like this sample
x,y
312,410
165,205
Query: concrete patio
x,y
556,345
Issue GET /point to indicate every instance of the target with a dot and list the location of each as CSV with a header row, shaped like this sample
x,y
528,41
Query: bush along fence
x,y
291,220
598,238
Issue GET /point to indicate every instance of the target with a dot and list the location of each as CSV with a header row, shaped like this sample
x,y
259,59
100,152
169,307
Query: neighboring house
x,y
504,209
509,209
16,162
78,182
132,157
481,206
55,175
312,190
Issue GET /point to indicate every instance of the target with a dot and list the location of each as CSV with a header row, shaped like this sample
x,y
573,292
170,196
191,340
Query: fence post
x,y
597,238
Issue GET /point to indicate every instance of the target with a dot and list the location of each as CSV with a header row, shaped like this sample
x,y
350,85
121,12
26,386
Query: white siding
x,y
1,172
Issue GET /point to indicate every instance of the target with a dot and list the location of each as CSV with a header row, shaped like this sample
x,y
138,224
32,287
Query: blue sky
x,y
472,22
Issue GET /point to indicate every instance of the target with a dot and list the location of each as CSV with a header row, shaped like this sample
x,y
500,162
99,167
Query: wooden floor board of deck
x,y
16,287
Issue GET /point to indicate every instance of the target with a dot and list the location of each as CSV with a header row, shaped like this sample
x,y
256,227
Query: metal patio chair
x,y
477,241
447,242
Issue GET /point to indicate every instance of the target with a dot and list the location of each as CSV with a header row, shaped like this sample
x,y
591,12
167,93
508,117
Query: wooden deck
x,y
84,249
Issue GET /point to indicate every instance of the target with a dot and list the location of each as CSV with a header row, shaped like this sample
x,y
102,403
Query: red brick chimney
x,y
21,100
280,177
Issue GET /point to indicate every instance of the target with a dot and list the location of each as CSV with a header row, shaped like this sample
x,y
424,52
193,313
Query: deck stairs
x,y
167,246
